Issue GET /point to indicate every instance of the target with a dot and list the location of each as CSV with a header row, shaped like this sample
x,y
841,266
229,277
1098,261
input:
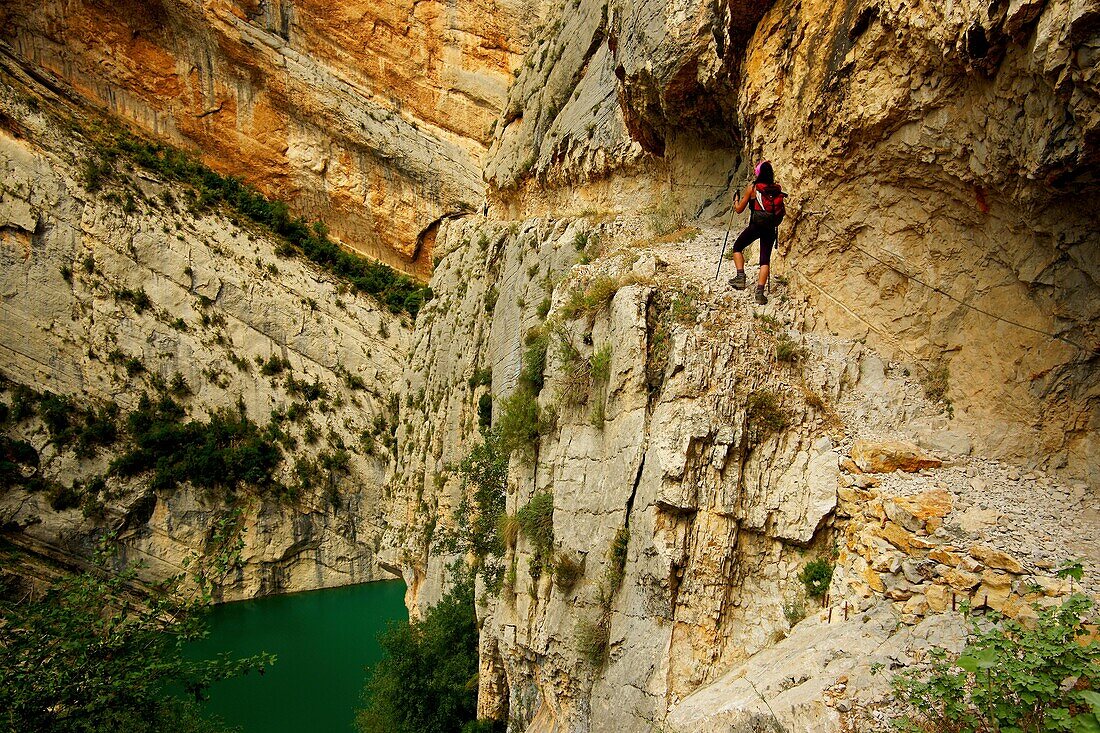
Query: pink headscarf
x,y
756,170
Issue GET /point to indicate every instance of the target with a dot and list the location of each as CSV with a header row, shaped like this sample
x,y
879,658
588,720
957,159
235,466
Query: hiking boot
x,y
761,299
738,283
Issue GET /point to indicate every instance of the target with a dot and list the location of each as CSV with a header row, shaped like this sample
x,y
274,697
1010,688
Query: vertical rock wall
x,y
941,163
109,295
371,116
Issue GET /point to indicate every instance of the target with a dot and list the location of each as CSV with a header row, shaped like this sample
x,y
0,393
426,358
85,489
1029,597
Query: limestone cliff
x,y
941,290
113,294
929,202
371,116
566,167
691,485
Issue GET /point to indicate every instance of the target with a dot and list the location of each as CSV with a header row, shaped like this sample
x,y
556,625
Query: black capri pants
x,y
753,232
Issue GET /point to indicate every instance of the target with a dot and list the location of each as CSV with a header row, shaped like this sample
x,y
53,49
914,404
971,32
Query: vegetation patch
x,y
592,641
816,576
218,454
273,365
16,458
788,350
84,656
567,571
87,428
521,420
616,556
576,374
481,378
1041,676
427,678
519,424
601,374
485,411
765,415
479,524
139,299
209,189
936,383
588,301
536,521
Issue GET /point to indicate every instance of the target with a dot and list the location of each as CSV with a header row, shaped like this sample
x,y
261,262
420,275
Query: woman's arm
x,y
745,198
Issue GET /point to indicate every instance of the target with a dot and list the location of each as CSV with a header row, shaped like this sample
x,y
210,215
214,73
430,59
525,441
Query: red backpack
x,y
768,208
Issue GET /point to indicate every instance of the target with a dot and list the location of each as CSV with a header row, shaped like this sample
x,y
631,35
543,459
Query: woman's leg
x,y
767,241
744,239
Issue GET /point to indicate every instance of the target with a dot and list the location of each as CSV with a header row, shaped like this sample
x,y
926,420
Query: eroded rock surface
x,y
371,116
110,295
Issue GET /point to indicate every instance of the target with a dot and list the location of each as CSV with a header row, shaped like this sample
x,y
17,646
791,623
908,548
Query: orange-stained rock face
x,y
371,115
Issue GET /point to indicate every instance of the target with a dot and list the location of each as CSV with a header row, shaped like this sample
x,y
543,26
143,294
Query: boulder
x,y
891,455
996,559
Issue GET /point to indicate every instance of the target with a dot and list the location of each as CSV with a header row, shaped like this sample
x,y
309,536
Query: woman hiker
x,y
765,200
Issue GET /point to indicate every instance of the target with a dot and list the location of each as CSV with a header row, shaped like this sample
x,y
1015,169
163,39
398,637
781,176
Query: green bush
x,y
83,657
308,391
765,415
816,576
532,373
24,402
274,365
788,350
427,678
1041,676
543,308
592,641
485,411
484,473
63,497
536,520
481,378
601,373
616,556
519,421
567,571
66,421
222,453
14,455
139,299
590,300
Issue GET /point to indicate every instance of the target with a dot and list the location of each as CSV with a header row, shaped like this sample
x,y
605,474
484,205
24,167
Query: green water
x,y
325,641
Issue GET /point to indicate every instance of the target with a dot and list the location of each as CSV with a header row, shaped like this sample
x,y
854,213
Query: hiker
x,y
765,201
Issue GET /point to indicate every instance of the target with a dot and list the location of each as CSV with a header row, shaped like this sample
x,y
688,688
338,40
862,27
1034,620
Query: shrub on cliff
x,y
1011,677
209,189
427,679
816,576
220,453
86,657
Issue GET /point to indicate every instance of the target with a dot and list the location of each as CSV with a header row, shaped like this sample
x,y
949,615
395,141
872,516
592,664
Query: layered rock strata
x,y
694,487
109,295
371,116
930,213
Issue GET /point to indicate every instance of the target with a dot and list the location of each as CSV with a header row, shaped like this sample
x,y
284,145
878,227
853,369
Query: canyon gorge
x,y
916,407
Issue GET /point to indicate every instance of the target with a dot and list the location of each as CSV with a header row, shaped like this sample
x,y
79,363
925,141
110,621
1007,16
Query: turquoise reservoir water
x,y
325,641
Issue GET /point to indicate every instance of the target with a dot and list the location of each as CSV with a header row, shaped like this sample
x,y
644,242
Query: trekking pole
x,y
722,254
